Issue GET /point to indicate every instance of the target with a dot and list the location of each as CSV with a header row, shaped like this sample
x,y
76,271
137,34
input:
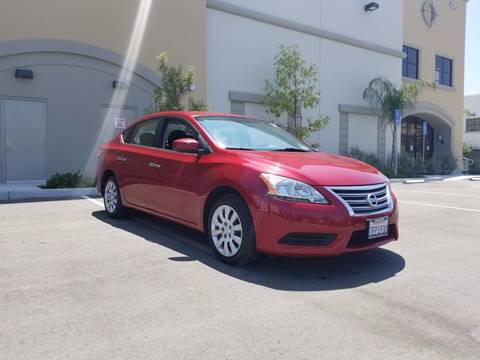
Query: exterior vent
x,y
364,200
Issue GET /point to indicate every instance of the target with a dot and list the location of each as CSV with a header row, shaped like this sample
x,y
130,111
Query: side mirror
x,y
186,145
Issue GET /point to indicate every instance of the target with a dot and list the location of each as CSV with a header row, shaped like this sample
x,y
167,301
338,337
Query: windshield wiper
x,y
239,148
292,149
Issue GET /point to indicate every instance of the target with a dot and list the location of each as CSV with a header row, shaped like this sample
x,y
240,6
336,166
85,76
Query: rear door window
x,y
145,134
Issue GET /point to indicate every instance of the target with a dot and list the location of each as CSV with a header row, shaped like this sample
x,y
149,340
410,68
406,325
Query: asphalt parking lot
x,y
77,285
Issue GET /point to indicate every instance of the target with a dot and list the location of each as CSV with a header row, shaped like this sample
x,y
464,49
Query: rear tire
x,y
230,231
112,199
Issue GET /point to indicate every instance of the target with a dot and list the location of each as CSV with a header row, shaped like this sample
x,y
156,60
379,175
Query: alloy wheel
x,y
111,196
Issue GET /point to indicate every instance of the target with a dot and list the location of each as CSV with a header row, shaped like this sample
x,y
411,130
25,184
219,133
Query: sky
x,y
472,49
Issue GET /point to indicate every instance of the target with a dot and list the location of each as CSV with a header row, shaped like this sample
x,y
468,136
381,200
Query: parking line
x,y
95,201
439,206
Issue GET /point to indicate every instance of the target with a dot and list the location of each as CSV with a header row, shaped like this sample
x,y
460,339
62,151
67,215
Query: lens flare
x,y
120,93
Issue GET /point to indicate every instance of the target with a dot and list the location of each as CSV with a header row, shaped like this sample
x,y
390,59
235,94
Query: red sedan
x,y
250,186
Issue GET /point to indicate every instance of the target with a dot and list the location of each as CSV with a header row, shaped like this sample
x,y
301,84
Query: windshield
x,y
249,134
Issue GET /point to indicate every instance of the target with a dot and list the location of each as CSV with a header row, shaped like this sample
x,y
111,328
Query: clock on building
x,y
429,13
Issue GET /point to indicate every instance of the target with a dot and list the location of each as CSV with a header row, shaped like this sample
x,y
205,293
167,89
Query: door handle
x,y
154,165
121,158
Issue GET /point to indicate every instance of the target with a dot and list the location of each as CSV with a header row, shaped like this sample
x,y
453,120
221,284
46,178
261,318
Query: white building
x,y
59,78
472,121
349,45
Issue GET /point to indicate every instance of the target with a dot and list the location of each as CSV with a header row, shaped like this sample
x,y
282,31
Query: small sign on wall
x,y
120,123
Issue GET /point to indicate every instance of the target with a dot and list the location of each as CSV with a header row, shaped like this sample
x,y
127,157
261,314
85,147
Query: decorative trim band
x,y
245,97
356,109
28,46
296,26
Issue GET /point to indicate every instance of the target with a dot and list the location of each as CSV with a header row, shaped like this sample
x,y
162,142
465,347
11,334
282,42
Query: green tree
x,y
293,88
176,85
385,97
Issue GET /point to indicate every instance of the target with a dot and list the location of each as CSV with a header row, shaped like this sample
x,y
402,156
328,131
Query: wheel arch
x,y
213,196
106,174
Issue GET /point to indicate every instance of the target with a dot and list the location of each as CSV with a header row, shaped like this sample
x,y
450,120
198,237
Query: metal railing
x,y
466,163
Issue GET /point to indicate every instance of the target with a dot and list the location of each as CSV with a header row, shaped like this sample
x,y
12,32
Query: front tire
x,y
230,231
112,199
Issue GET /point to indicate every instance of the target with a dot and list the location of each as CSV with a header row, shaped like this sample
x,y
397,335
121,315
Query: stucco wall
x,y
248,46
446,38
78,92
361,132
76,50
175,26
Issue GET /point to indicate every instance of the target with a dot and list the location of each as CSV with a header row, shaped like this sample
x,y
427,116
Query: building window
x,y
410,63
443,71
473,124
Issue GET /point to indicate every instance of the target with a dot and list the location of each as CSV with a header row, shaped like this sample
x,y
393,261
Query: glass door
x,y
412,138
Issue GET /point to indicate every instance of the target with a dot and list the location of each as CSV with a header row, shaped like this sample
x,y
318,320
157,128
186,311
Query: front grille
x,y
364,200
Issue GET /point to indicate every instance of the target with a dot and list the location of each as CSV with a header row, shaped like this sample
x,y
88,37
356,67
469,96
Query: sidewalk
x,y
29,190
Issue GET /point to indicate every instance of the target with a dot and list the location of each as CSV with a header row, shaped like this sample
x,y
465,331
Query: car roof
x,y
192,114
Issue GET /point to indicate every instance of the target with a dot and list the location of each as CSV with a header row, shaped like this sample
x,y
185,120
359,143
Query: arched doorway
x,y
437,141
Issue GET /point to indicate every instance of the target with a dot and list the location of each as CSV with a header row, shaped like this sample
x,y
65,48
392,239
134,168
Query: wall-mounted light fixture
x,y
23,74
371,6
119,84
440,138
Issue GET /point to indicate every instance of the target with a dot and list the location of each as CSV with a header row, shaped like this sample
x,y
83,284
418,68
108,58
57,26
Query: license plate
x,y
378,228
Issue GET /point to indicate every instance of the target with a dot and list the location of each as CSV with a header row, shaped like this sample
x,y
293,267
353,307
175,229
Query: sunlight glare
x,y
120,93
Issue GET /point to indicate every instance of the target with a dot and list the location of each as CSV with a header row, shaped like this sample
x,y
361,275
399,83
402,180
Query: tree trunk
x,y
294,125
298,119
291,124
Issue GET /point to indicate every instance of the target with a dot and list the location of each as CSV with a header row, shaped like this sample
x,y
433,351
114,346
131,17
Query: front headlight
x,y
290,189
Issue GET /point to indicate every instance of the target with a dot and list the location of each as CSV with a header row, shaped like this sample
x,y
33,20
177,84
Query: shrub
x,y
68,180
441,164
368,157
475,167
468,151
372,159
407,166
473,154
449,163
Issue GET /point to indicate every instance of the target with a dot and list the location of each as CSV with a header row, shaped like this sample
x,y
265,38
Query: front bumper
x,y
321,230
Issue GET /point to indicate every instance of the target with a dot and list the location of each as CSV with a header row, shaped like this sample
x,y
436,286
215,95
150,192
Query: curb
x,y
46,194
434,179
409,181
415,181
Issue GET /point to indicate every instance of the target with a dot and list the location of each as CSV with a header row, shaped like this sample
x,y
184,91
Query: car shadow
x,y
280,273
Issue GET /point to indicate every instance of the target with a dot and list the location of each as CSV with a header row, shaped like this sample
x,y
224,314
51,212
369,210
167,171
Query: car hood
x,y
314,168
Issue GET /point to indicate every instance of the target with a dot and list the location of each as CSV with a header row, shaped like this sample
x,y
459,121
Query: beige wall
x,y
446,38
174,26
